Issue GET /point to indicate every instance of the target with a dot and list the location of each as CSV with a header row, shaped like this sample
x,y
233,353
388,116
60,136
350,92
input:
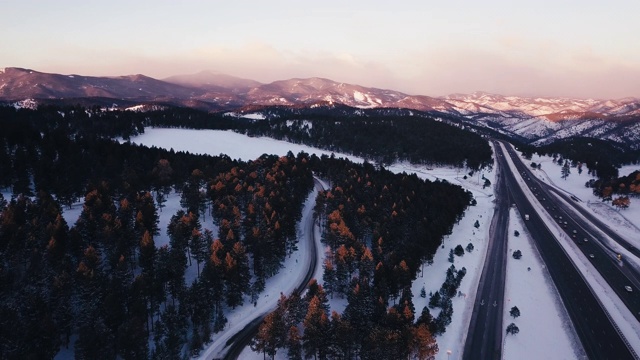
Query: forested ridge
x,y
378,228
381,138
103,286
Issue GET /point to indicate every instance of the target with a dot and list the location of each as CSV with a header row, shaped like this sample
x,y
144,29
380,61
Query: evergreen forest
x,y
102,286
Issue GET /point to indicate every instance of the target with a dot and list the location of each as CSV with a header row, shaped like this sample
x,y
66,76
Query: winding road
x,y
240,340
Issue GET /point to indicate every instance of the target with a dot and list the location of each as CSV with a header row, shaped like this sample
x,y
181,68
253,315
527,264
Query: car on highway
x,y
585,240
592,256
628,288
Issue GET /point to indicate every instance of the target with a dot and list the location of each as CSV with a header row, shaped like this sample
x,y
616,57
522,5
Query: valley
x,y
402,218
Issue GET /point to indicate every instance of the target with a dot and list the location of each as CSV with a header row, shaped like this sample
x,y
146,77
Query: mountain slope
x,y
211,81
18,84
540,120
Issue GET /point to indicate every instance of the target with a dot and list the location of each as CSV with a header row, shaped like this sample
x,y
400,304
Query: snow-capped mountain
x,y
538,119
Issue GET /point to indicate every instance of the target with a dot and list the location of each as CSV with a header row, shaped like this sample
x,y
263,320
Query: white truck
x,y
526,216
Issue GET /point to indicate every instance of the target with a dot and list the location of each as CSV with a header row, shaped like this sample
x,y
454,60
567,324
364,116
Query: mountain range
x,y
537,119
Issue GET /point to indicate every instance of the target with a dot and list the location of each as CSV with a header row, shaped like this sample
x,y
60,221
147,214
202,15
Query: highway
x,y
239,341
618,274
484,338
597,332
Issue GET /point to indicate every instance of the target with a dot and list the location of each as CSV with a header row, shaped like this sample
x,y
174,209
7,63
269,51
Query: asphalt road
x,y
484,338
239,341
596,331
618,274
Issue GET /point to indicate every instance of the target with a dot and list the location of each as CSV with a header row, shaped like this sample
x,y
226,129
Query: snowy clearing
x,y
216,142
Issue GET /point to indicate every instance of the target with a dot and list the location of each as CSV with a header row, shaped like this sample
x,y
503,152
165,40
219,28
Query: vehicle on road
x,y
592,256
526,216
628,288
585,240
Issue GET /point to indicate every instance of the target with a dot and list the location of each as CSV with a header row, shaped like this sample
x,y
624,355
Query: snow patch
x,y
135,108
25,104
358,96
254,116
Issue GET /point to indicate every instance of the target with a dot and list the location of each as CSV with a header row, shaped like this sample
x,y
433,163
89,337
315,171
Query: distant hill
x,y
538,120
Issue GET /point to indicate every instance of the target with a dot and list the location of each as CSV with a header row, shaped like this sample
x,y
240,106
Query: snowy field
x,y
216,142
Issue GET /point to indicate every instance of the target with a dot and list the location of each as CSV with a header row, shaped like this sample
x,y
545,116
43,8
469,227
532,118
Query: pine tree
x,y
514,312
170,334
329,276
198,247
271,334
236,274
423,345
342,337
316,326
294,344
435,300
565,170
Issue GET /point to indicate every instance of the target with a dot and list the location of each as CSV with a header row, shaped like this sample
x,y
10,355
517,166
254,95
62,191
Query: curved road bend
x,y
484,338
617,274
239,341
598,335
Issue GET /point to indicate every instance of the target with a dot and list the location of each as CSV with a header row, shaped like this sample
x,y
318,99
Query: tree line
x,y
383,139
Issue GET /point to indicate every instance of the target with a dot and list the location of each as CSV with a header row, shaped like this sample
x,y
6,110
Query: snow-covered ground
x,y
216,142
463,233
529,288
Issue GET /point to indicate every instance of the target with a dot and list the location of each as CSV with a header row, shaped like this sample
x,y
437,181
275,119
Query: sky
x,y
569,48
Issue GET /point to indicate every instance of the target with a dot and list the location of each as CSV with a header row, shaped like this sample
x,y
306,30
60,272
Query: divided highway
x,y
617,273
596,331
